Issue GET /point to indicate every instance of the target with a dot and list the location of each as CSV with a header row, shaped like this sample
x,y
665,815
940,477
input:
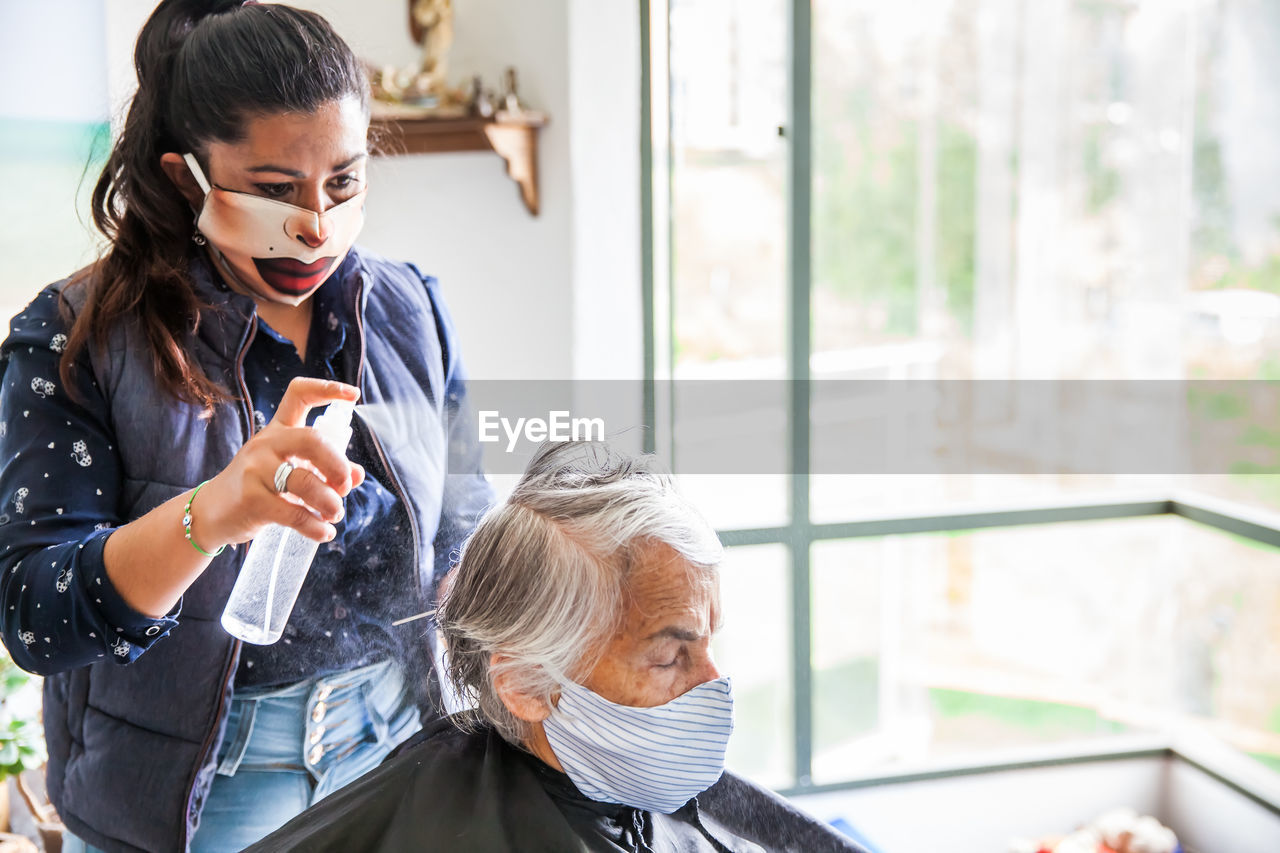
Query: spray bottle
x,y
279,558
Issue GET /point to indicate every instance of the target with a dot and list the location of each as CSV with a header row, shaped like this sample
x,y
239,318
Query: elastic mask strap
x,y
197,172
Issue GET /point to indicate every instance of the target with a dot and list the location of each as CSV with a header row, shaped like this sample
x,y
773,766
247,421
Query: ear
x,y
176,168
521,705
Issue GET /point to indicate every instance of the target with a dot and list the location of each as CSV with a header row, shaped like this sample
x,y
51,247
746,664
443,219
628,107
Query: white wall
x,y
604,103
983,812
556,296
1207,815
551,297
39,81
123,20
507,275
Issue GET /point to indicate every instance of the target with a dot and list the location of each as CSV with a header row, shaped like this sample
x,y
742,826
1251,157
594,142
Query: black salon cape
x,y
450,790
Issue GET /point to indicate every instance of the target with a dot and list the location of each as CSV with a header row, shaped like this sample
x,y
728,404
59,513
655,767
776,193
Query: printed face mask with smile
x,y
260,241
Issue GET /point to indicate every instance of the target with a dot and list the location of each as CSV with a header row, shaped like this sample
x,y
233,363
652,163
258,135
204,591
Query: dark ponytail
x,y
204,68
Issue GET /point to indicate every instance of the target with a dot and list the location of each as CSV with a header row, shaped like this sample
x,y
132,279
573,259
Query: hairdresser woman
x,y
152,421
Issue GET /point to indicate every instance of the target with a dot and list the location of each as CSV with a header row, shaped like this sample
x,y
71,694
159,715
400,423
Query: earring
x,y
198,239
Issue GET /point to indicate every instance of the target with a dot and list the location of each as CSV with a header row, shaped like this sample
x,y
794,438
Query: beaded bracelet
x,y
186,523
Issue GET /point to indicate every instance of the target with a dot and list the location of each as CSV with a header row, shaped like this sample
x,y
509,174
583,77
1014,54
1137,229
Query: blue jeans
x,y
286,748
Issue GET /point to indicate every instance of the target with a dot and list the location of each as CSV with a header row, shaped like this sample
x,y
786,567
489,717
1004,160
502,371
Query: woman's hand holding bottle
x,y
242,500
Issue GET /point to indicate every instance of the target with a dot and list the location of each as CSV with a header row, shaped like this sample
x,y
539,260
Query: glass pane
x,y
728,87
972,642
730,449
1045,190
1233,307
753,648
734,502
728,228
894,162
1259,490
968,442
848,654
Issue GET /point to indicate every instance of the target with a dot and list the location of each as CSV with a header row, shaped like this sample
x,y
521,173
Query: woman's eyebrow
x,y
346,164
294,173
281,170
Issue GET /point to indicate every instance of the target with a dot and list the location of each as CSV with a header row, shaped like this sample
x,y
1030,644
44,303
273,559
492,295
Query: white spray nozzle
x,y
334,424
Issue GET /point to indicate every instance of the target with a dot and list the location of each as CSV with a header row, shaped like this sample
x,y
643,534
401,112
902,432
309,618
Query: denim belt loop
x,y
240,722
236,738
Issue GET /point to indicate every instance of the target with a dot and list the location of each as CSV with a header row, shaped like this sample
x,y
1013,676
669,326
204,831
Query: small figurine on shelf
x,y
481,101
424,86
431,23
510,97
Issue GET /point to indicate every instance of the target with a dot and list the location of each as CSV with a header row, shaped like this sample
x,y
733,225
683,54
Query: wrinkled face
x,y
663,647
287,199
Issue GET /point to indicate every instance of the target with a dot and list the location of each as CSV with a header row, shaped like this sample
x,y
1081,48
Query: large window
x,y
1055,212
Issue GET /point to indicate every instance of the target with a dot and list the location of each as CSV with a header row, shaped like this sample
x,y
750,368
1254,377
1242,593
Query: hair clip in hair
x,y
413,618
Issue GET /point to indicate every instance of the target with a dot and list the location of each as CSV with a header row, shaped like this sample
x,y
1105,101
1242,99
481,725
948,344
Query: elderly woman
x,y
579,624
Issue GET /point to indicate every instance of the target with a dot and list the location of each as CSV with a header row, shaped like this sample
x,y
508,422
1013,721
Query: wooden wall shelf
x,y
512,136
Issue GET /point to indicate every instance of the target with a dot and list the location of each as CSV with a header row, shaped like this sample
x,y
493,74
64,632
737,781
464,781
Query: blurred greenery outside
x,y
865,217
846,696
866,198
1270,760
1048,720
759,747
866,173
846,707
21,732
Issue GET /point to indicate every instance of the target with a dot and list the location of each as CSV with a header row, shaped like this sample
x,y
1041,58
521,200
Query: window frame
x,y
799,534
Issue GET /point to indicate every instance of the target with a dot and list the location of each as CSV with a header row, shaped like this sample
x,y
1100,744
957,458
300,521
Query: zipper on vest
x,y
228,673
398,486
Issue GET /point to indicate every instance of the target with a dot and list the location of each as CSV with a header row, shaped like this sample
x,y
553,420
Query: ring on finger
x,y
282,476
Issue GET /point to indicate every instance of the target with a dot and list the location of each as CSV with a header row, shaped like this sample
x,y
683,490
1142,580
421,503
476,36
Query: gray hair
x,y
541,582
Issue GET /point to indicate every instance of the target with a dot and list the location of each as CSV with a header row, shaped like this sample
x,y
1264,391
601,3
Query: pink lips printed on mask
x,y
290,276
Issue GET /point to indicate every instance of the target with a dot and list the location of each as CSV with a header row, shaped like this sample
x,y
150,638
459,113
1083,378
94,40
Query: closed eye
x,y
680,654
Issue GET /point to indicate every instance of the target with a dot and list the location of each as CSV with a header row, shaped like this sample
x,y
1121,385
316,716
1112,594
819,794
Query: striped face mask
x,y
655,759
